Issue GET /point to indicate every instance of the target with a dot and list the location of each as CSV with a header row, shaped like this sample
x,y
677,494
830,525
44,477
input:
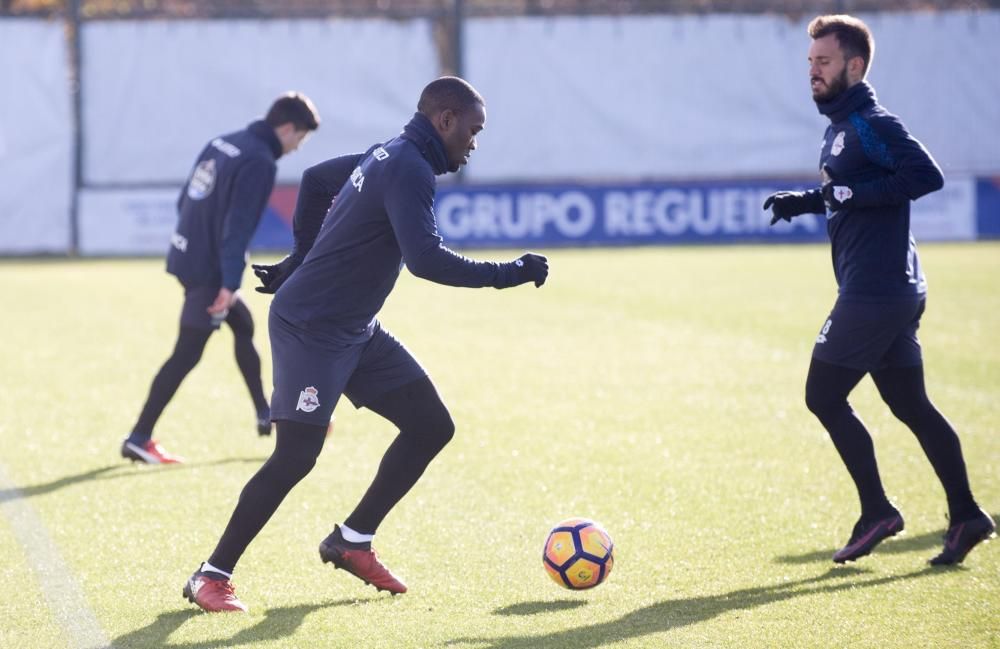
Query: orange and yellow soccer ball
x,y
578,554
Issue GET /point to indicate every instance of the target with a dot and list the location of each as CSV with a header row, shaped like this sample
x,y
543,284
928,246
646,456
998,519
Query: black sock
x,y
903,390
187,352
425,427
295,452
827,387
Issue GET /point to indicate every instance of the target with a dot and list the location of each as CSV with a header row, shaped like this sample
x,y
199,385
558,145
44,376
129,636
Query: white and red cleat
x,y
149,452
359,560
214,594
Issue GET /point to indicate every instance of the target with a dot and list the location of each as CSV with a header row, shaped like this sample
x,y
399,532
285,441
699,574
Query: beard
x,y
837,86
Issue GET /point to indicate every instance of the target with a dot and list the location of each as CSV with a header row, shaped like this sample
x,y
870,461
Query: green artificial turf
x,y
656,390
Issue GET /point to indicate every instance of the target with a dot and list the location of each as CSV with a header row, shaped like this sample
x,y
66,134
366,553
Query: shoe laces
x,y
372,559
225,587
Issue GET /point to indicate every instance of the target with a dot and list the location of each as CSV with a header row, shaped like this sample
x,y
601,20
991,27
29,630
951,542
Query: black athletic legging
x,y
425,427
187,352
902,389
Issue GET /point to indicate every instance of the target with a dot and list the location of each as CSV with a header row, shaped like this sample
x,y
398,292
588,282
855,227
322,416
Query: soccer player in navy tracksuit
x,y
219,209
872,168
326,340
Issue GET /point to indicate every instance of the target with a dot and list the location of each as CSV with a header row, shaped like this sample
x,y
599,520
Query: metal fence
x,y
401,9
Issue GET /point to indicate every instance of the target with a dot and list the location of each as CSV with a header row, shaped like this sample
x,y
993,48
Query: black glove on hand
x,y
790,204
836,193
274,275
530,267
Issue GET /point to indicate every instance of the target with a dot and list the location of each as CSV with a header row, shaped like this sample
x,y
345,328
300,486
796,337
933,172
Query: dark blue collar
x,y
421,132
264,131
860,95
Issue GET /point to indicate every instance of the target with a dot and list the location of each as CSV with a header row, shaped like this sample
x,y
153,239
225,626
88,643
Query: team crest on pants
x,y
308,400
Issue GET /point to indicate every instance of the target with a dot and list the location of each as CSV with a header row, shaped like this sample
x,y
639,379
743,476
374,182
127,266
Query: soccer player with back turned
x,y
871,169
326,340
218,210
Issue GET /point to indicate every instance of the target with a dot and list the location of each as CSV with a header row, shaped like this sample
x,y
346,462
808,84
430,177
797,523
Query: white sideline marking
x,y
59,587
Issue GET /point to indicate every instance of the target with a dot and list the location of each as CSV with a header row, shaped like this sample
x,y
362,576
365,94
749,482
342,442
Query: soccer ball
x,y
578,554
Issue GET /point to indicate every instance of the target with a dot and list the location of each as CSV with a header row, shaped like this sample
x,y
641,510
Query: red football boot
x,y
212,593
149,452
359,560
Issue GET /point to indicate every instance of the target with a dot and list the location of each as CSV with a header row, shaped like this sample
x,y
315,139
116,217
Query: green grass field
x,y
657,390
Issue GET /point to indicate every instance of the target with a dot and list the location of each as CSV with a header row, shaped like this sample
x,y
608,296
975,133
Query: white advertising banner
x,y
938,72
948,214
636,97
36,138
127,222
139,222
156,91
714,96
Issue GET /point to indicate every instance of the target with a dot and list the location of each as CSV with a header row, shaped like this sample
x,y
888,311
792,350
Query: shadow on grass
x,y
112,472
674,613
931,541
531,608
277,623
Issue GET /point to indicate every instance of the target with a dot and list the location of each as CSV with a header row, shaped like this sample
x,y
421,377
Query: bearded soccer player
x,y
871,169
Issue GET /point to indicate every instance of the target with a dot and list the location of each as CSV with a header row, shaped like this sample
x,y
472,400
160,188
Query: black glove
x,y
790,204
530,267
837,194
274,275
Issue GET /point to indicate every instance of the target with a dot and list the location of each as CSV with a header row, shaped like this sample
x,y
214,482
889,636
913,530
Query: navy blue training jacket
x,y
382,216
220,206
869,149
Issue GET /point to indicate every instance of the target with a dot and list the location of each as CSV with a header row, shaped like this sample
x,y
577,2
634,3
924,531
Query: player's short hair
x,y
852,34
294,108
448,92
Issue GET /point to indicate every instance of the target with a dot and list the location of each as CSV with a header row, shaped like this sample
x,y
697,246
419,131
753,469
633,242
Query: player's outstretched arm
x,y
409,205
442,265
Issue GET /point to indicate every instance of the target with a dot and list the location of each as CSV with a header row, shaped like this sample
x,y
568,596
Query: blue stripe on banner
x,y
272,233
644,213
988,208
579,214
